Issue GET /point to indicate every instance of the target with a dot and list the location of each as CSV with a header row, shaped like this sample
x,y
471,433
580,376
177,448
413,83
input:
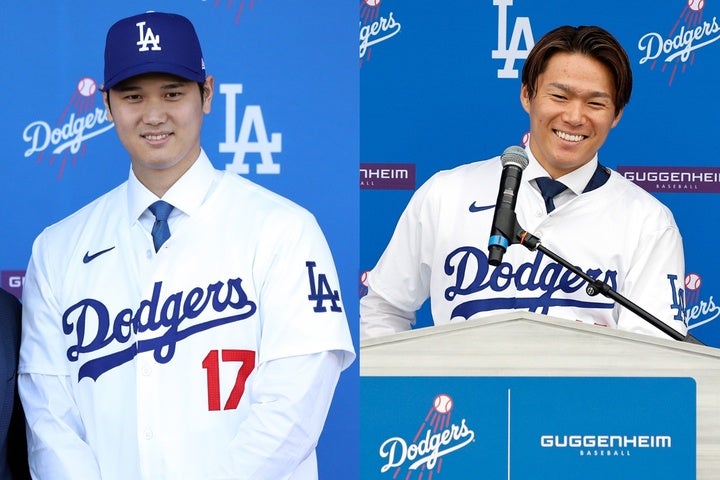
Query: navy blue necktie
x,y
160,230
549,188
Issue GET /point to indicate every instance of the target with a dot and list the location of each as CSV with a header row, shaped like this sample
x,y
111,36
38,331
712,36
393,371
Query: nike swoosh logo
x,y
89,258
474,208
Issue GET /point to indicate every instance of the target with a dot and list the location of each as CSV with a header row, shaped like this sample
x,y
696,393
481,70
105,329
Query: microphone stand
x,y
596,286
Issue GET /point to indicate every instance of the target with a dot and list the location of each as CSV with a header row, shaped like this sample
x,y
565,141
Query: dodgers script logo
x,y
436,437
95,327
468,269
172,317
375,28
675,51
471,274
511,52
82,119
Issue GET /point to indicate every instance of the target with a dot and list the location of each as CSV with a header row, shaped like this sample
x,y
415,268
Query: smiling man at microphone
x,y
576,82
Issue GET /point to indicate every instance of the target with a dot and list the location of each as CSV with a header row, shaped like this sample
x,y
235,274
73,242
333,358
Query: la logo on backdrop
x,y
510,49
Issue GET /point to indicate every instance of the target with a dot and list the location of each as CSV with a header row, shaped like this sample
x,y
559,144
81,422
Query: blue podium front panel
x,y
518,428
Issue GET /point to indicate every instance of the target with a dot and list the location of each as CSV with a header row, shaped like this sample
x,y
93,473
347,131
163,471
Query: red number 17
x,y
212,365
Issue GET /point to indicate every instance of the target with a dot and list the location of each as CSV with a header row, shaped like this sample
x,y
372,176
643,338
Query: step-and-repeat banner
x,y
285,114
440,87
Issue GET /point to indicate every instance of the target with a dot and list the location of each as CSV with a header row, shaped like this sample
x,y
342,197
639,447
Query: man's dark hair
x,y
591,41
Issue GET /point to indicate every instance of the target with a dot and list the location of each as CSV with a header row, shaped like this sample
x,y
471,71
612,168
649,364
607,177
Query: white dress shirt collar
x,y
186,195
576,180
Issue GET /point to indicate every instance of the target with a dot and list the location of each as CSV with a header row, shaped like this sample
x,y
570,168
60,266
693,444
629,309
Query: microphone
x,y
514,160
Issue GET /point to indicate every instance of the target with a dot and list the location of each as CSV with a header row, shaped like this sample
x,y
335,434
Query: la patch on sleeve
x,y
321,291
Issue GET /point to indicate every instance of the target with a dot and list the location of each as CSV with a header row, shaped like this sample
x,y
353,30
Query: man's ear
x,y
106,102
208,88
525,98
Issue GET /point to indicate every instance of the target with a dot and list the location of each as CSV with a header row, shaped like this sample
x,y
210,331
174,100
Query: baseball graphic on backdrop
x,y
86,87
696,5
372,3
693,281
443,403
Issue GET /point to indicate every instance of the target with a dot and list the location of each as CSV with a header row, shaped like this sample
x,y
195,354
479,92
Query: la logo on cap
x,y
147,37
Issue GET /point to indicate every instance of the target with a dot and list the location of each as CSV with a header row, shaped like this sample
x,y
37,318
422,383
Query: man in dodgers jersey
x,y
213,355
575,85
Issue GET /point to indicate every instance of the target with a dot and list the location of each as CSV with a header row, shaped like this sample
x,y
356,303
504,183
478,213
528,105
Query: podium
x,y
523,344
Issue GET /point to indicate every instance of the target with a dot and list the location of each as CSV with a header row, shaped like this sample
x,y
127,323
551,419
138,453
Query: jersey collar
x,y
576,180
186,195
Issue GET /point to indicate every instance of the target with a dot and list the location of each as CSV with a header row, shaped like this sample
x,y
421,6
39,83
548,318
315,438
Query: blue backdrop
x,y
440,86
285,115
437,87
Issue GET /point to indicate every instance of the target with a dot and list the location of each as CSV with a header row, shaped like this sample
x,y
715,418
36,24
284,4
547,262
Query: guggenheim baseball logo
x,y
387,176
673,179
436,437
605,445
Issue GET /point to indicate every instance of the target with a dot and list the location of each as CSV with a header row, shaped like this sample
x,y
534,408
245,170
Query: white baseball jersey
x,y
147,359
618,233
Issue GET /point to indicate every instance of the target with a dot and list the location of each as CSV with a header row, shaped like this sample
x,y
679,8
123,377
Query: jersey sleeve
x,y
57,446
399,283
42,342
56,439
300,305
379,317
656,281
287,400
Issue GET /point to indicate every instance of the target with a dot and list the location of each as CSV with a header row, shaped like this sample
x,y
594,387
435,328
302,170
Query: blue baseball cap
x,y
152,42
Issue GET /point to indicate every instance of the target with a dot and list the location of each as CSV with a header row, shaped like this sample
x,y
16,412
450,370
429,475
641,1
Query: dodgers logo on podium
x,y
436,437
